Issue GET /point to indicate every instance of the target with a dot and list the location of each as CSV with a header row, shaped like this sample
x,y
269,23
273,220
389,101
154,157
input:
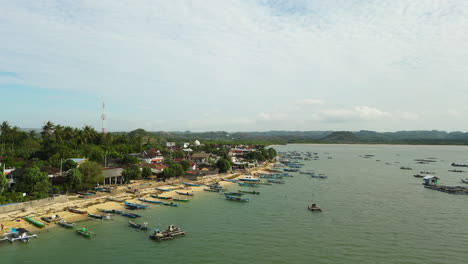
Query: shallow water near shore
x,y
373,213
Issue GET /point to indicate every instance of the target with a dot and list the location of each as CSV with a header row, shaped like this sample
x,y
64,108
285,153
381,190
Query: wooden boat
x,y
405,168
176,199
275,181
160,197
247,184
138,226
192,184
163,189
464,181
130,215
168,234
34,222
456,171
49,219
184,193
17,234
211,190
110,211
249,178
76,211
84,232
149,201
138,206
235,198
459,165
291,170
96,216
65,224
251,192
265,183
234,193
114,199
271,177
171,204
319,176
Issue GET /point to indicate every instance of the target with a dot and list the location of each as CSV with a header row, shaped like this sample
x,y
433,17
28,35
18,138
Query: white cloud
x,y
310,101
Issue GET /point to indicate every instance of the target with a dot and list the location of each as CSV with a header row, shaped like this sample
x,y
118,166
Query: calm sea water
x,y
373,213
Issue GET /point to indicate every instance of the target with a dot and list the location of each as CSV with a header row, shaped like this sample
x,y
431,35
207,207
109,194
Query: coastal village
x,y
78,187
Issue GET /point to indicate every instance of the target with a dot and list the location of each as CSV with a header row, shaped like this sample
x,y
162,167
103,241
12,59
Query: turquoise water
x,y
373,213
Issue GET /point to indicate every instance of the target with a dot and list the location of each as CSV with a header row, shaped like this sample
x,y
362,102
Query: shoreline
x,y
99,200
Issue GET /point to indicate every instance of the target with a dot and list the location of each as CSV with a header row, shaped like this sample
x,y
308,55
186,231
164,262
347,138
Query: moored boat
x,y
130,215
192,184
85,232
184,193
234,193
110,211
176,199
163,189
138,226
235,198
247,184
168,234
275,181
211,190
314,208
76,211
138,206
171,204
249,178
65,224
149,201
160,197
251,192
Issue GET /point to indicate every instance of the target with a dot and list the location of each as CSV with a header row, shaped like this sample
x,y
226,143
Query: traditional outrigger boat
x,y
149,201
247,184
251,192
138,206
138,226
65,224
50,219
168,234
171,204
192,184
184,193
17,234
84,232
97,216
237,199
130,215
163,189
211,190
34,222
176,199
249,178
114,199
234,193
76,211
110,211
160,197
275,181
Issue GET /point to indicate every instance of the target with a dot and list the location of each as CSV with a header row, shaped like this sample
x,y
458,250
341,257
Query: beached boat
x,y
249,178
76,211
65,224
184,193
138,206
275,181
84,232
110,211
97,216
138,226
160,197
168,234
192,184
246,184
271,177
211,190
50,219
17,234
265,183
114,199
176,199
251,192
34,222
234,193
171,204
163,189
149,201
235,198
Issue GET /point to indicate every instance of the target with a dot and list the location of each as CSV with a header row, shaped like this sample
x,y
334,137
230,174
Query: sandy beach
x,y
91,204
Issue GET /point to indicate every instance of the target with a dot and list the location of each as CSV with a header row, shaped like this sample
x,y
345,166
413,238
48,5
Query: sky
x,y
235,65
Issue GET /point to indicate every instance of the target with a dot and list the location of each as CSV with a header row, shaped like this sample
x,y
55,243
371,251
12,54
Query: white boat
x,y
249,178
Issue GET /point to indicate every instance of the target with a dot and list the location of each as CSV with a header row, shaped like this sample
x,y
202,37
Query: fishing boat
x,y
65,224
271,177
114,199
76,211
235,198
17,234
405,168
171,204
247,184
84,232
276,181
265,183
49,219
138,226
314,208
149,201
176,199
97,216
251,192
160,197
459,165
130,215
319,176
163,189
110,211
192,184
168,234
234,193
211,190
138,206
291,170
184,193
249,178
464,181
34,222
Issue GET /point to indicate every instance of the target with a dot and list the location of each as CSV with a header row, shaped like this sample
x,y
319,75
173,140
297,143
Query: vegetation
x,y
131,173
73,179
223,165
92,174
146,172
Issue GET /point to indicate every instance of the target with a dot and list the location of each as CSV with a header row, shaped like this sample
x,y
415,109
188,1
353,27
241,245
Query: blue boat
x,y
149,201
164,190
130,215
235,198
276,181
192,184
138,206
249,178
247,184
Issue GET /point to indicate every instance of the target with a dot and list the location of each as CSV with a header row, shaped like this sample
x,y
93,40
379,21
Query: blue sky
x,y
202,65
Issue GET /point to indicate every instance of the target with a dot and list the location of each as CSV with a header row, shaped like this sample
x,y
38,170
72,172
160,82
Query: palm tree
x,y
47,130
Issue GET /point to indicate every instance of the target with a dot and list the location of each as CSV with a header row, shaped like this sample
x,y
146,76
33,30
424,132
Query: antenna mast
x,y
103,117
